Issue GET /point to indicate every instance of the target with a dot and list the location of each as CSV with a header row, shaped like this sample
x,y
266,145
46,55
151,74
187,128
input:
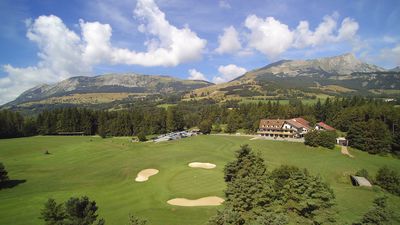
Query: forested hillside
x,y
361,118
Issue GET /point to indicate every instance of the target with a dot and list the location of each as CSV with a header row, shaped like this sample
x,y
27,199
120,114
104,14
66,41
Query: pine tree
x,y
249,191
379,214
76,211
308,197
53,213
389,180
372,136
81,211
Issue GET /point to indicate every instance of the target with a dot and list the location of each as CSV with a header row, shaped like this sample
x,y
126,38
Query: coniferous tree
x,y
372,136
53,213
379,214
389,180
76,211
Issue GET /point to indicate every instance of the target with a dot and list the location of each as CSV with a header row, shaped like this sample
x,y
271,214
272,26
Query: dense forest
x,y
370,125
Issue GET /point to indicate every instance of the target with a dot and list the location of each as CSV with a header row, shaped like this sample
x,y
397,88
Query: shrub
x,y
142,137
389,180
217,128
205,126
317,138
379,214
3,173
133,220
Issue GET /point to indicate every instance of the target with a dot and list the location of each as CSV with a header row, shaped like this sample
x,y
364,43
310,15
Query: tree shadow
x,y
11,183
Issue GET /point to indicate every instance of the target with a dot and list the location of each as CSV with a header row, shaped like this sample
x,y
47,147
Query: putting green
x,y
104,169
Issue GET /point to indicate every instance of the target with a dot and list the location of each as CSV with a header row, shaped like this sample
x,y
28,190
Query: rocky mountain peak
x,y
345,64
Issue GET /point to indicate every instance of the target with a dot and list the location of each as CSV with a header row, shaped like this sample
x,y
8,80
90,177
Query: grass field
x,y
105,169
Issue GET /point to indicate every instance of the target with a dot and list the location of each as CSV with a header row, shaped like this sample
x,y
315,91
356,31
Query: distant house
x,y
324,126
289,128
292,128
341,141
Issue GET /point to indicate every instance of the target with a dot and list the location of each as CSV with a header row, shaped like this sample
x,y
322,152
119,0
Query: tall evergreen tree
x,y
53,213
379,214
372,136
76,211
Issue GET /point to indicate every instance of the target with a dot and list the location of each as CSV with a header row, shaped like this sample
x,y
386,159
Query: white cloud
x,y
224,4
97,47
169,46
272,37
229,41
228,73
59,53
268,36
196,75
63,53
348,29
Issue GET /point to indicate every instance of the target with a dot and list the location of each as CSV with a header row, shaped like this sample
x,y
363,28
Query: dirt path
x,y
206,201
345,151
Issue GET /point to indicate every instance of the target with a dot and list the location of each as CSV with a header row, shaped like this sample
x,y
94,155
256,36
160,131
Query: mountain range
x,y
343,74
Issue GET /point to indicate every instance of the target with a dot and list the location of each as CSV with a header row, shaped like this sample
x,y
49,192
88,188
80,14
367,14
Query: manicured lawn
x,y
105,169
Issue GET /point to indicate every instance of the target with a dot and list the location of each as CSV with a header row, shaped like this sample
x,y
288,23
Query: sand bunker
x,y
206,201
145,174
202,165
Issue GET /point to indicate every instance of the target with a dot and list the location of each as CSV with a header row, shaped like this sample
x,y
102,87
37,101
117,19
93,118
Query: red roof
x,y
325,126
303,122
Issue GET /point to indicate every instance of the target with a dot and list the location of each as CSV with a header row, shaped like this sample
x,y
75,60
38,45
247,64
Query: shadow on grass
x,y
11,183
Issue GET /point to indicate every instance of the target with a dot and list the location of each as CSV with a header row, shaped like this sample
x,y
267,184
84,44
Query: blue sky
x,y
45,41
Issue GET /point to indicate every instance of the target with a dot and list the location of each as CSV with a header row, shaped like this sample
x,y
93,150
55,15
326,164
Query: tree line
x,y
371,125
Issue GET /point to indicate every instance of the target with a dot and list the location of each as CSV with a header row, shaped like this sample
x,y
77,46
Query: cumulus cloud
x,y
169,46
272,37
63,53
269,36
228,73
59,54
229,41
196,75
348,29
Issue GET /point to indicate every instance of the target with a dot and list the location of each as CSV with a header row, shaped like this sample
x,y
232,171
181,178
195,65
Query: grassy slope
x,y
105,169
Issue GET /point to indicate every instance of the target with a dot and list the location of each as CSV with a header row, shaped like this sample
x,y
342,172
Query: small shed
x,y
341,141
360,181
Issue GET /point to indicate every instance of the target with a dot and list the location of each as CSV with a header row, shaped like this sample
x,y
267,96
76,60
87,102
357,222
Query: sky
x,y
46,41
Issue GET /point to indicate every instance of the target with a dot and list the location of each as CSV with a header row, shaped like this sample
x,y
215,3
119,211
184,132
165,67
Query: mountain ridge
x,y
109,83
343,73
